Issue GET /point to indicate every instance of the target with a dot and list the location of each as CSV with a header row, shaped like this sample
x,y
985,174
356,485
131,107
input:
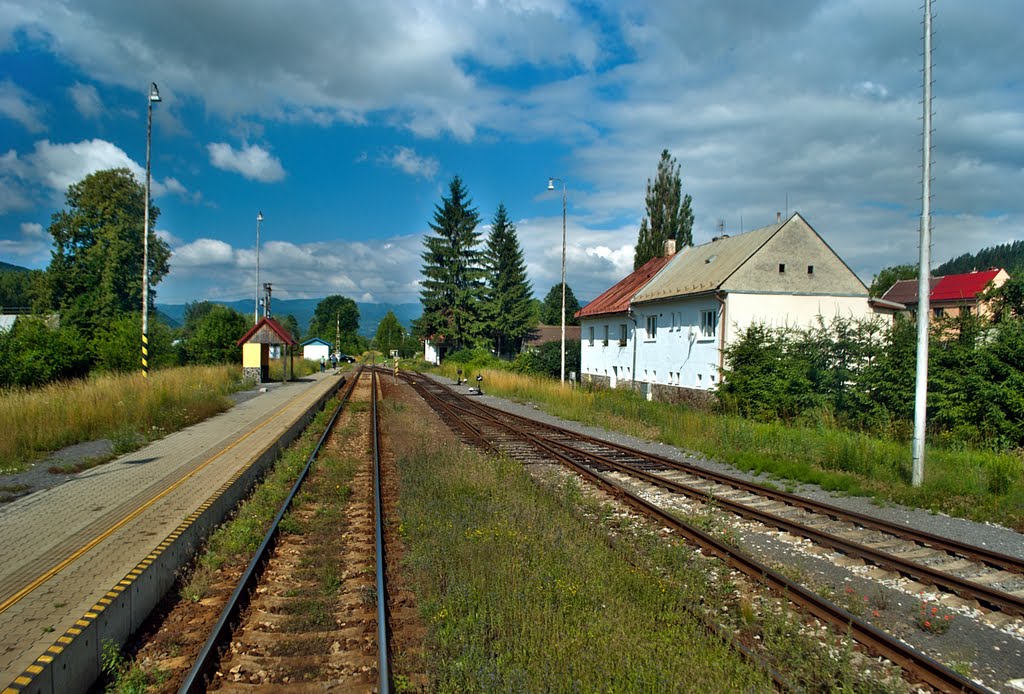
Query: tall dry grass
x,y
125,408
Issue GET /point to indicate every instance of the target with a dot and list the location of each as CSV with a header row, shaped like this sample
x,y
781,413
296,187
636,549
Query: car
x,y
345,357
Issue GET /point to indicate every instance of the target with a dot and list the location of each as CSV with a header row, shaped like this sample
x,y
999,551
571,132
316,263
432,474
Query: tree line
x,y
861,374
85,307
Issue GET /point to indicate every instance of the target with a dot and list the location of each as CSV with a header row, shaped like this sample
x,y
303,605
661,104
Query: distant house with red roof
x,y
950,294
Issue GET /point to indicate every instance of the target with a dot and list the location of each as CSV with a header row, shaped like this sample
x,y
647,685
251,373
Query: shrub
x,y
34,354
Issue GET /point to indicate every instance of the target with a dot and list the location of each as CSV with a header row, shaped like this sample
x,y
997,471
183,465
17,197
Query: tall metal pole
x,y
563,282
256,309
154,95
923,274
551,186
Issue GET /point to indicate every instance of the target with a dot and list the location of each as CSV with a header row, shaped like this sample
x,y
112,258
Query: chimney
x,y
778,218
670,248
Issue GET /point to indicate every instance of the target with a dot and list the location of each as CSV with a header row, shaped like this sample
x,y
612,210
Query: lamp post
x,y
256,311
154,96
551,186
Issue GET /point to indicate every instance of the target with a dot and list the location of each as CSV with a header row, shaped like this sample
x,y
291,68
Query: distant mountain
x,y
370,315
7,267
1008,256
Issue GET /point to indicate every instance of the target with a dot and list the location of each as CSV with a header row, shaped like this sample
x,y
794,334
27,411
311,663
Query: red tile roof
x,y
944,288
275,328
966,286
617,298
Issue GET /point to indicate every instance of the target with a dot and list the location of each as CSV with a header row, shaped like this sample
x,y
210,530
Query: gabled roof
x,y
550,333
267,331
316,341
704,268
965,286
616,299
943,288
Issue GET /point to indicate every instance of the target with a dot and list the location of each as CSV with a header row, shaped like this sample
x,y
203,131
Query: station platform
x,y
84,562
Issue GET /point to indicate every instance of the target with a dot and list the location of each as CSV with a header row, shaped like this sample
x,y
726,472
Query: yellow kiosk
x,y
256,346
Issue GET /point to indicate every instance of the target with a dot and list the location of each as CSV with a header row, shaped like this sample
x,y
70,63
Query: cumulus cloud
x,y
86,100
20,106
32,245
408,161
51,167
251,161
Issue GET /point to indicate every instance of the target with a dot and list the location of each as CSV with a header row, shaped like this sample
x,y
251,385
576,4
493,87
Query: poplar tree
x,y
453,274
508,305
668,213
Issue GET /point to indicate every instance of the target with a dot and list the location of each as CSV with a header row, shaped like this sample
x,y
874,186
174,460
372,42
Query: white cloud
x,y
20,106
86,100
50,168
405,159
252,161
31,246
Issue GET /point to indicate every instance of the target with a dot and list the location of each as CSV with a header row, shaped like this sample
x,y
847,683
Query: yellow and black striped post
x,y
145,355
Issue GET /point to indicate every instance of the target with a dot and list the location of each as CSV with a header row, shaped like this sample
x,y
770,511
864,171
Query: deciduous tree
x,y
390,333
551,312
334,311
95,271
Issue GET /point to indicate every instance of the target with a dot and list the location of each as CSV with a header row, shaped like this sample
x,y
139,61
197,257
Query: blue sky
x,y
344,122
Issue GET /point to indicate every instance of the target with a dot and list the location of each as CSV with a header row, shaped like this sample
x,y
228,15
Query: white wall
x,y
613,360
679,354
315,351
780,310
430,353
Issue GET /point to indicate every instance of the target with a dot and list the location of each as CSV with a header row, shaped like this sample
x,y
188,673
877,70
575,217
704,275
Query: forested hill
x,y
1009,256
4,267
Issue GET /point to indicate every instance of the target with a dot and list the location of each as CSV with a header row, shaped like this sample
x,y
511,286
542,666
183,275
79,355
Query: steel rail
x,y
448,413
993,559
196,679
383,641
915,663
993,598
990,597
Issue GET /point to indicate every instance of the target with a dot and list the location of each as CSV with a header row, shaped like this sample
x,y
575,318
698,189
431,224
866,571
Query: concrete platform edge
x,y
72,663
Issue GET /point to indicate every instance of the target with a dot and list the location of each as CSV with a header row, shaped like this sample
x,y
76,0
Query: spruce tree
x,y
452,284
508,307
551,311
668,211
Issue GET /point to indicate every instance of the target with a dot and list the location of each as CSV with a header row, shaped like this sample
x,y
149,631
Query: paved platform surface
x,y
62,549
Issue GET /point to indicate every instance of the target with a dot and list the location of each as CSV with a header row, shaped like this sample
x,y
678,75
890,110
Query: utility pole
x,y
337,332
924,271
266,300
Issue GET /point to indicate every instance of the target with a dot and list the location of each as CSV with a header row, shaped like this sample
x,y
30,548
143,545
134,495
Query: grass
x,y
128,409
522,589
980,485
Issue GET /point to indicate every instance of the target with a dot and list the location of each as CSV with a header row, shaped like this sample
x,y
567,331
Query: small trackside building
x,y
256,344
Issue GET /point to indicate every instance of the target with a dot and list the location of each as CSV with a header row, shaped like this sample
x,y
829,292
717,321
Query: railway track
x,y
928,558
275,629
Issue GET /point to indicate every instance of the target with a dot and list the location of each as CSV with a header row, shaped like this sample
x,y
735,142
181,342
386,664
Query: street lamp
x,y
551,186
256,311
154,96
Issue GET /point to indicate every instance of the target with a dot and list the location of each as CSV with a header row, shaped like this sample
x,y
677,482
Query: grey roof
x,y
703,268
7,322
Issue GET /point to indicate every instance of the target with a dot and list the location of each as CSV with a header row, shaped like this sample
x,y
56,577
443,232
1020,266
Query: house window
x,y
590,332
782,268
810,269
652,327
623,335
708,323
605,340
939,313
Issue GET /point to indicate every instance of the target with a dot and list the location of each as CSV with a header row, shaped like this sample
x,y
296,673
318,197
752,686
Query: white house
x,y
679,320
316,348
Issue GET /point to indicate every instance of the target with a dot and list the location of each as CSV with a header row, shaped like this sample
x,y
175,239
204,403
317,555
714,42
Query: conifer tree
x,y
508,306
668,212
452,284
